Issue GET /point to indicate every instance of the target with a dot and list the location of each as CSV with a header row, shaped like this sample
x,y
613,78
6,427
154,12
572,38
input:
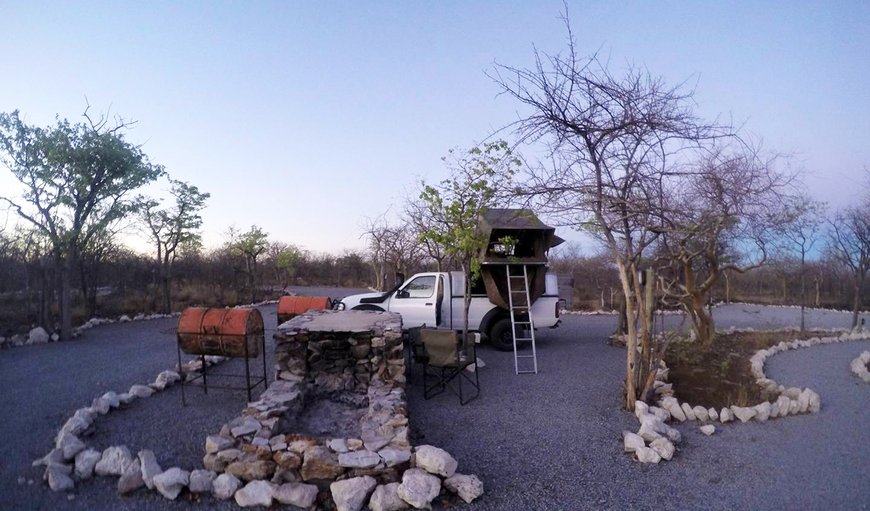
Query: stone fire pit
x,y
333,428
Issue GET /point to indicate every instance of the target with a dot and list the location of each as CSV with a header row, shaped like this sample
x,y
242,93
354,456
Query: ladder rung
x,y
525,356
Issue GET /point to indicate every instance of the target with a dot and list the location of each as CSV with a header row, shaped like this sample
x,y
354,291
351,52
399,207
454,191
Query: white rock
x,y
782,404
435,461
70,445
217,443
647,455
256,493
85,463
792,393
713,414
201,481
58,477
419,488
676,411
101,406
171,482
701,413
249,425
708,429
661,413
37,336
126,398
468,487
112,398
297,494
648,432
640,409
689,411
225,485
114,461
386,498
131,480
393,456
663,447
149,467
631,441
673,434
75,425
359,459
762,411
743,413
794,407
815,402
141,391
351,494
338,445
804,400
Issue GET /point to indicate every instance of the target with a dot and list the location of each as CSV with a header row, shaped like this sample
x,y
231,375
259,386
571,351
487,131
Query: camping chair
x,y
416,353
446,361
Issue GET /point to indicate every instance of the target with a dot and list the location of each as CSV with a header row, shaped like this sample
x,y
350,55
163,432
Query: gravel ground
x,y
550,441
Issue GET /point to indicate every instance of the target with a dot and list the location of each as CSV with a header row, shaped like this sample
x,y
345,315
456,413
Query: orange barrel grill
x,y
225,332
291,306
235,333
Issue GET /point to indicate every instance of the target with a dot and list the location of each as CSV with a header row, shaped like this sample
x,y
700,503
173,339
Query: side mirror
x,y
403,294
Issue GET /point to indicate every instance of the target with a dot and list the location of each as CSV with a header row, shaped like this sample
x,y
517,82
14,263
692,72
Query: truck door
x,y
416,300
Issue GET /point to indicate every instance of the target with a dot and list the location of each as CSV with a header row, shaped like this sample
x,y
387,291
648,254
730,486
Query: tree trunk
x,y
625,278
64,265
856,303
727,287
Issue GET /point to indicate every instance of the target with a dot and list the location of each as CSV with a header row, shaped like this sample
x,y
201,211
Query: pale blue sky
x,y
305,117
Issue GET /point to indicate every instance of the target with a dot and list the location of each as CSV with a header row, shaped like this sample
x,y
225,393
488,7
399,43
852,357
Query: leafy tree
x,y
285,259
172,228
478,179
250,246
76,179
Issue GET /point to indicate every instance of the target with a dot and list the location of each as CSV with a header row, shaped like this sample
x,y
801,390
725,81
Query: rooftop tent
x,y
515,237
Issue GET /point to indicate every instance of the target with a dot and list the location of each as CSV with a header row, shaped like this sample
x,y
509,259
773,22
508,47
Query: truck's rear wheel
x,y
501,335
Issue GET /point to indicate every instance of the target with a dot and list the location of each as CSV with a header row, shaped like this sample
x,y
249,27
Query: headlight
x,y
339,306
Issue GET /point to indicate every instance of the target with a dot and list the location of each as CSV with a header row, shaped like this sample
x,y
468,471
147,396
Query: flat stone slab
x,y
341,321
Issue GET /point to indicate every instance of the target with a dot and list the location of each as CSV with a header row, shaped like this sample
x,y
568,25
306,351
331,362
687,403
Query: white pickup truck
x,y
435,299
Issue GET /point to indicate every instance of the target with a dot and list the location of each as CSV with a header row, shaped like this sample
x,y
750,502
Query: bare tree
x,y
800,235
717,218
849,235
613,139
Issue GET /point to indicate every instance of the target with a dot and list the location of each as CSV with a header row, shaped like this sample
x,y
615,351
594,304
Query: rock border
x,y
72,460
860,366
651,443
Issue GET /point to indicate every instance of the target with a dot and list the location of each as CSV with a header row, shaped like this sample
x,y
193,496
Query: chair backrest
x,y
441,346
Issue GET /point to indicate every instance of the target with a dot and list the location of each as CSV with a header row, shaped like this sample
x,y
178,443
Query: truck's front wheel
x,y
501,335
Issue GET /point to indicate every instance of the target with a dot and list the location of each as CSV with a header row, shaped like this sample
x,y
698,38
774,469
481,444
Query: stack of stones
x,y
355,355
860,366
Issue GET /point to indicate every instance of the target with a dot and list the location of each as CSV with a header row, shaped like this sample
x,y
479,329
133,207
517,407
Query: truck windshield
x,y
421,287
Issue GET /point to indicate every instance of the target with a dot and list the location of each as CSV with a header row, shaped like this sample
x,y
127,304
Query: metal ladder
x,y
522,308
